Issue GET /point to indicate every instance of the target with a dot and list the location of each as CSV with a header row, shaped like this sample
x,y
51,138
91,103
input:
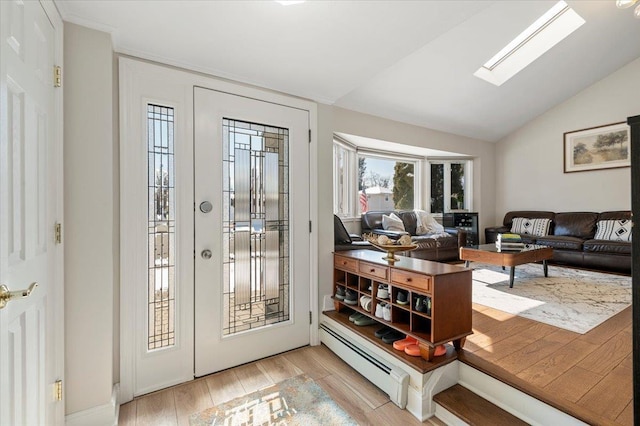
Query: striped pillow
x,y
614,230
536,227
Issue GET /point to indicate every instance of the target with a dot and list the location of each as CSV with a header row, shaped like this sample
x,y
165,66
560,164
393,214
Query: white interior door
x,y
251,229
30,328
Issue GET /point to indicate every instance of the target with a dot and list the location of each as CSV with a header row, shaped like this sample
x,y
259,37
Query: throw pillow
x,y
392,223
537,227
426,224
614,230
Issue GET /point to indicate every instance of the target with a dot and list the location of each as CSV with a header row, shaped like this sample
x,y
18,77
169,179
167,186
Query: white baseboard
x,y
102,415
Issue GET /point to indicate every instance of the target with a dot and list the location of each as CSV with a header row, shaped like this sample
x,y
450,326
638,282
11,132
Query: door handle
x,y
6,295
206,254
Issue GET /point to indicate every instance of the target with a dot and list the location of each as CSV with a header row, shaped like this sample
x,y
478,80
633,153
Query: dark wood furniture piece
x,y
488,253
448,287
467,221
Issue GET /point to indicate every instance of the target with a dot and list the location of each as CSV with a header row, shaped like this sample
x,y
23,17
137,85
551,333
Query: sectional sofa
x,y
431,246
587,240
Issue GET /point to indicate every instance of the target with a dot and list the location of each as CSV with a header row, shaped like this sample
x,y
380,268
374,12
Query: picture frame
x,y
597,148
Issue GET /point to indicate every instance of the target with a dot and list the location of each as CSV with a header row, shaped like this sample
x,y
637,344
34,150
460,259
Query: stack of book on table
x,y
507,242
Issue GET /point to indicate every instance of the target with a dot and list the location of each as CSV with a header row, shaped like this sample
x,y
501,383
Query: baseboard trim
x,y
102,415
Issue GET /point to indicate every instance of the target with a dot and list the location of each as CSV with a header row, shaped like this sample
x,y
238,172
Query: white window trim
x,y
468,183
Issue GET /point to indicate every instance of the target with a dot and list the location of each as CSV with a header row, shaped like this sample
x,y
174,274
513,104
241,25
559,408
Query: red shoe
x,y
440,350
413,350
399,345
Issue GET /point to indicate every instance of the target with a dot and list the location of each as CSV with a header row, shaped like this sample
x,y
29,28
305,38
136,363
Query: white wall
x,y
529,162
89,217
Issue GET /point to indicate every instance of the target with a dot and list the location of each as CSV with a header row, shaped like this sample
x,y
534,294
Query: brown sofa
x,y
430,246
571,235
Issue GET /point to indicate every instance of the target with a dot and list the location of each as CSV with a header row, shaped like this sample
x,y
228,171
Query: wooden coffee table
x,y
488,253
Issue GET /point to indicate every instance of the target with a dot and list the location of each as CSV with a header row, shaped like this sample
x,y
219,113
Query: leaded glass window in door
x,y
255,225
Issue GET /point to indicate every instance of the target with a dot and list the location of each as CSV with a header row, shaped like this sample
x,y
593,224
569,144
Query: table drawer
x,y
410,279
373,270
345,263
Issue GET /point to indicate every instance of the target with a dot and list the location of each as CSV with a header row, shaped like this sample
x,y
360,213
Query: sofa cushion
x,y
409,220
538,226
371,220
561,242
576,224
604,246
392,223
531,214
614,230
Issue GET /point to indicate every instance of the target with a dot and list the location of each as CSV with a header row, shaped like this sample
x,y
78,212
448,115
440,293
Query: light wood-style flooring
x,y
587,375
363,401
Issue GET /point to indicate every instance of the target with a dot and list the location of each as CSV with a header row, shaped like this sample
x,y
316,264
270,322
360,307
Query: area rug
x,y
295,401
568,298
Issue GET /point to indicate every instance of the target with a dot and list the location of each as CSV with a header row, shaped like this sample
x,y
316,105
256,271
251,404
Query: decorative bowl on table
x,y
384,243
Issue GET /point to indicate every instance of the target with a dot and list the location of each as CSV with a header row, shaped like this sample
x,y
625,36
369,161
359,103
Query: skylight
x,y
547,31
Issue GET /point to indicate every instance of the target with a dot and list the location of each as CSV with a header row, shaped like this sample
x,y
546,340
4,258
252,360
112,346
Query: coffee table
x,y
488,253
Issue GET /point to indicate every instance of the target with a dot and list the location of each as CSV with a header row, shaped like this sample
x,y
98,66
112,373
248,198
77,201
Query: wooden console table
x,y
448,287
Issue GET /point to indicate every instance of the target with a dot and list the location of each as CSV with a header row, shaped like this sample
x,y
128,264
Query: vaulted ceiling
x,y
411,61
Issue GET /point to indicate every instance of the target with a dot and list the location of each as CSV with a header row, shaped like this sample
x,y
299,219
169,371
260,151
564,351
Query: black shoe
x,y
382,332
340,293
420,305
401,298
351,297
393,336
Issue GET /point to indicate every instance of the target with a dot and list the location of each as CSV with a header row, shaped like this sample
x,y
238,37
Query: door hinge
x,y
57,390
309,135
310,318
310,227
57,76
58,233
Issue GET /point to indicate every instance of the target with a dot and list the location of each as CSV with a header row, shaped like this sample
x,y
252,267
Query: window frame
x,y
468,183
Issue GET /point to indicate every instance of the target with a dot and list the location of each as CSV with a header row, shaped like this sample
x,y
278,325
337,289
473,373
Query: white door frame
x,y
135,72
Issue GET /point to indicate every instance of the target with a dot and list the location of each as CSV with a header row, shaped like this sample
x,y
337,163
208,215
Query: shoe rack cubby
x,y
444,292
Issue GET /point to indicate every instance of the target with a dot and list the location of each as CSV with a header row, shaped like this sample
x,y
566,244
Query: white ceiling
x,y
411,61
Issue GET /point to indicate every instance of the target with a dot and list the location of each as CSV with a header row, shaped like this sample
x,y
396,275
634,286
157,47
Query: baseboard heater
x,y
391,379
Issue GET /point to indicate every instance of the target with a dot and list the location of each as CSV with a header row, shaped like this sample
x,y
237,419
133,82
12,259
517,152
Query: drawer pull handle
x,y
344,262
372,270
409,280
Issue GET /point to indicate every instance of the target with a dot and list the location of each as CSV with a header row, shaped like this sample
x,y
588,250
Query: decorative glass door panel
x,y
255,225
252,293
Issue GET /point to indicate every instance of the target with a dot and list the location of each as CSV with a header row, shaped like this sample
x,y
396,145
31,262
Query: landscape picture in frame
x,y
596,148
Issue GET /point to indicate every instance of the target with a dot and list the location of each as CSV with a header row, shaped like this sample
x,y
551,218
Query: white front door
x,y
30,203
252,250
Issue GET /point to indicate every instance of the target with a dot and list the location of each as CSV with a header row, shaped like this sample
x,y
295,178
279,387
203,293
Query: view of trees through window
x,y
385,184
442,188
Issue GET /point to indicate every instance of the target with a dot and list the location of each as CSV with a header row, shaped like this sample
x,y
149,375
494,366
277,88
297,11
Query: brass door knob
x,y
6,295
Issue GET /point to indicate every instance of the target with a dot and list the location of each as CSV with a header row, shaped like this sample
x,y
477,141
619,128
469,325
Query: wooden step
x,y
474,409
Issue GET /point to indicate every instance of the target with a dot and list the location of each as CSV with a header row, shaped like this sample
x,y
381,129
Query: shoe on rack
x,y
354,316
413,350
351,297
401,344
440,350
401,298
420,306
379,308
394,336
365,302
365,321
386,312
340,293
383,332
383,291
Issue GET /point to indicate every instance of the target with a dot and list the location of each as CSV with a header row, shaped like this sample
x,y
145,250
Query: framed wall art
x,y
596,148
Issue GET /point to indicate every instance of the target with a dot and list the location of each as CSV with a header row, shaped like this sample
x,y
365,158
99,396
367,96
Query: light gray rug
x,y
569,298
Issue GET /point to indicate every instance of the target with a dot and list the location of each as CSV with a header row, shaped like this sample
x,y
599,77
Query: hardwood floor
x,y
364,402
587,375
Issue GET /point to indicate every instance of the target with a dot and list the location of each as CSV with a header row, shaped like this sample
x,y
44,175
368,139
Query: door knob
x,y
206,207
206,254
6,295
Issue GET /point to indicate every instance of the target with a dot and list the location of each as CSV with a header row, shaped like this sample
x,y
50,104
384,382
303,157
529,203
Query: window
x,y
386,183
343,165
450,186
